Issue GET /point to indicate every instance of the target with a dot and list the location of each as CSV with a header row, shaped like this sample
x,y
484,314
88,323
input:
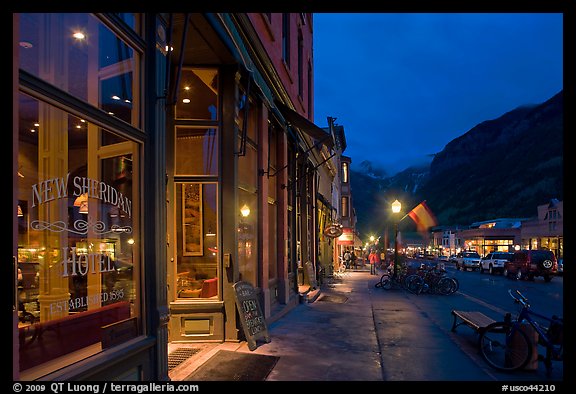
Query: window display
x,y
78,250
197,267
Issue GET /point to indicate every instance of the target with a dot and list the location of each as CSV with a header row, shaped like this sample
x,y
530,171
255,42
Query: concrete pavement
x,y
356,332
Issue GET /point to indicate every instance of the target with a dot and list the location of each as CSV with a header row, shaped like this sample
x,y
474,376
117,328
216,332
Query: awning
x,y
303,124
347,237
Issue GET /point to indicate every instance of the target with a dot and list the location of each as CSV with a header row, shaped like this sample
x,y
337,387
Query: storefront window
x,y
80,55
196,151
78,237
248,199
197,240
291,170
272,205
247,237
198,94
272,239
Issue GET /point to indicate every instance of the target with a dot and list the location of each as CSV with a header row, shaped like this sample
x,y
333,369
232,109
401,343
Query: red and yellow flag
x,y
423,217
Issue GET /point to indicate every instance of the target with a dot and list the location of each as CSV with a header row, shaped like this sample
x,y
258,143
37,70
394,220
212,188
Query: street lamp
x,y
396,207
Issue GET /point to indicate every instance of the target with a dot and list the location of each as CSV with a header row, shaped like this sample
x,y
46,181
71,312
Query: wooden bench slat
x,y
474,319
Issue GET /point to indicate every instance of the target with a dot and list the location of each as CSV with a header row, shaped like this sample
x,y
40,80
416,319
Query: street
x,y
488,294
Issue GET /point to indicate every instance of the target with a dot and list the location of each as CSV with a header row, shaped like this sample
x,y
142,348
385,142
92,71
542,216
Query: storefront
x,y
489,244
239,201
153,169
79,151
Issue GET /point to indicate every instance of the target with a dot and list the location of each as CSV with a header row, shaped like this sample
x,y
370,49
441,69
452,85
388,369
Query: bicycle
x,y
506,346
388,281
432,281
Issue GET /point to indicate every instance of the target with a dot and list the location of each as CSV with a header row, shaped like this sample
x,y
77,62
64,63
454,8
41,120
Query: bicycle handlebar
x,y
520,299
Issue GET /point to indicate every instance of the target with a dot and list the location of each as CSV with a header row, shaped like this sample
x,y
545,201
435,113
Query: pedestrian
x,y
353,258
373,258
347,258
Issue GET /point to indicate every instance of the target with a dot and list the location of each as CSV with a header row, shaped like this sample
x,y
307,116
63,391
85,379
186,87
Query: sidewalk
x,y
311,338
355,332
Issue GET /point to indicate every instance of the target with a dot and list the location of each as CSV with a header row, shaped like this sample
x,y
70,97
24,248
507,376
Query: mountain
x,y
503,167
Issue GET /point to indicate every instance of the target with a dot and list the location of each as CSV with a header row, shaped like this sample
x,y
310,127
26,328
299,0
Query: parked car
x,y
452,258
465,260
528,264
494,262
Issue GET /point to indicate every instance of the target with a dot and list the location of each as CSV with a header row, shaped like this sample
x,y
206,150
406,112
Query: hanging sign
x,y
333,230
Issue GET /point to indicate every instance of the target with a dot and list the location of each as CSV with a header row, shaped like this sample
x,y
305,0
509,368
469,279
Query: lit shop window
x,y
344,172
197,241
247,204
80,55
78,238
196,150
344,206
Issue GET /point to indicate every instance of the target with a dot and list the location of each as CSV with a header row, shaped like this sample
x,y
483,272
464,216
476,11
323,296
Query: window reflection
x,y
198,94
77,249
80,55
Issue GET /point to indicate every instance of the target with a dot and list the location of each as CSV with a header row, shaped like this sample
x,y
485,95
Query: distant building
x,y
349,239
546,231
506,234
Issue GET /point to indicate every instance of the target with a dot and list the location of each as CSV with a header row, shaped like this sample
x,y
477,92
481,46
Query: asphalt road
x,y
488,294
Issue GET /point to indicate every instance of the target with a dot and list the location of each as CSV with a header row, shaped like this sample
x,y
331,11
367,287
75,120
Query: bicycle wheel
x,y
457,284
382,278
414,284
446,286
407,279
505,347
386,282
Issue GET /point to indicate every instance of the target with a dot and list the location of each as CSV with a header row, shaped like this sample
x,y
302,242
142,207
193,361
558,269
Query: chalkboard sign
x,y
251,316
311,275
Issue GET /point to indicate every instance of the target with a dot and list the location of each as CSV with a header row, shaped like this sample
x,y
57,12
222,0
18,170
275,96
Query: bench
x,y
473,319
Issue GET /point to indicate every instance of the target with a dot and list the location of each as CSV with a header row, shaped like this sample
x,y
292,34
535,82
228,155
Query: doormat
x,y
180,355
226,365
339,299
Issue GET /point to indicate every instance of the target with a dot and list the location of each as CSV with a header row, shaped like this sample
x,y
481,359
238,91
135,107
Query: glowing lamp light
x,y
245,210
396,206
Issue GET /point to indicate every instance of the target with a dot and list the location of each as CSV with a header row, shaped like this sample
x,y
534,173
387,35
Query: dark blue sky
x,y
404,85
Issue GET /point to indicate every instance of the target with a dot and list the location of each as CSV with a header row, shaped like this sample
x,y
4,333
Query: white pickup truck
x,y
494,262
